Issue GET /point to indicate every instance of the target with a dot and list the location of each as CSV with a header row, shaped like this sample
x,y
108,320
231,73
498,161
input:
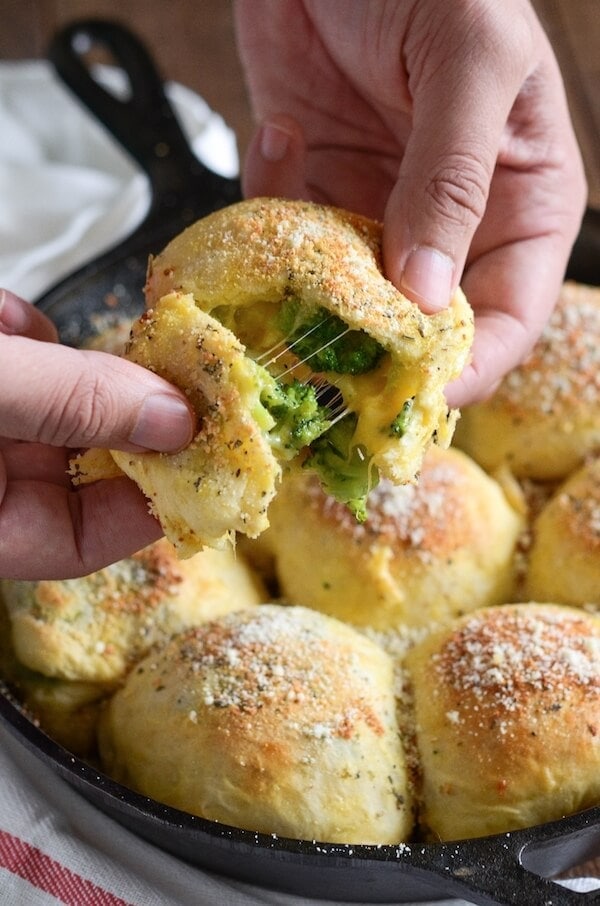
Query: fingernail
x,y
274,142
164,424
14,314
427,278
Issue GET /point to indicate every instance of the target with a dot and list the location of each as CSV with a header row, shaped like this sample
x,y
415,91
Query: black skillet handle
x,y
584,265
182,188
515,869
143,122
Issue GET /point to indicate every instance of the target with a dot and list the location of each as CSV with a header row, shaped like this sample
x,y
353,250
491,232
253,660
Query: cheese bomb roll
x,y
544,418
564,559
426,552
277,719
507,714
94,628
275,318
67,711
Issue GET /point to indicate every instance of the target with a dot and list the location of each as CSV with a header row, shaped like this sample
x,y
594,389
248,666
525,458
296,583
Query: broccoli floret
x,y
399,426
344,470
298,417
326,342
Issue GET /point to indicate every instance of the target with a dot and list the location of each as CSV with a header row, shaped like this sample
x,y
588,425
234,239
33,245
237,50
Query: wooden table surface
x,y
193,42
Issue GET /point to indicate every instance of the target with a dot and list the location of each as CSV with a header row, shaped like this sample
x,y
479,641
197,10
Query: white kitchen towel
x,y
67,192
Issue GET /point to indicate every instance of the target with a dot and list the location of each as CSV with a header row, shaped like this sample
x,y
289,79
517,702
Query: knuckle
x,y
485,33
477,30
78,416
458,191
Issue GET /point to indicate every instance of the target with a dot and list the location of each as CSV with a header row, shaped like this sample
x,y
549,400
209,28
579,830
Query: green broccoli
x,y
344,470
326,343
399,426
298,417
295,419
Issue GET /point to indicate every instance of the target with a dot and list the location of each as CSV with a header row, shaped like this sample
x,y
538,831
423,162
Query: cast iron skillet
x,y
182,188
512,868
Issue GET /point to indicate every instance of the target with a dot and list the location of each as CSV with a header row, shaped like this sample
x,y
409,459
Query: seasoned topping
x,y
503,659
563,370
584,516
422,517
270,659
137,585
155,575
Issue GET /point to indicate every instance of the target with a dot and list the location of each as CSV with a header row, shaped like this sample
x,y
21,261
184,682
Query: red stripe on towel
x,y
45,873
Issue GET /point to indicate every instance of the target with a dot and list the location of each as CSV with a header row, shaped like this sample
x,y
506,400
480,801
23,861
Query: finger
x,y
445,175
275,161
20,317
526,277
37,462
500,343
48,532
72,398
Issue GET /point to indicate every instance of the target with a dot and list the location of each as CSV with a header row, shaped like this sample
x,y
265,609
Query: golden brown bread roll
x,y
92,629
275,318
507,717
276,719
427,552
67,711
544,419
564,558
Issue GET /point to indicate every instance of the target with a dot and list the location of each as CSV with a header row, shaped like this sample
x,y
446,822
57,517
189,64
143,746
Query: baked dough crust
x,y
92,629
544,418
224,480
278,720
427,552
564,558
507,716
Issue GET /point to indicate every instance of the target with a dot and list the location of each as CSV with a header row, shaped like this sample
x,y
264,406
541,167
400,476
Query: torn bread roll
x,y
276,319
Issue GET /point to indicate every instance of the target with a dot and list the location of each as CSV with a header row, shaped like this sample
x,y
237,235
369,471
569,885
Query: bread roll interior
x,y
276,320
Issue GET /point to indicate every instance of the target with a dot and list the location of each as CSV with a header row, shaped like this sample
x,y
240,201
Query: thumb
x,y
66,397
462,92
275,160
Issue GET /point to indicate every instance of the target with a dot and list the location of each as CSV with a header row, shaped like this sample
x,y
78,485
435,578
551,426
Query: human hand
x,y
54,399
447,121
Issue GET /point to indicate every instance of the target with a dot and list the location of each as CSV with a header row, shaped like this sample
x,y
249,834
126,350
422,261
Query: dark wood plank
x,y
573,27
193,42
